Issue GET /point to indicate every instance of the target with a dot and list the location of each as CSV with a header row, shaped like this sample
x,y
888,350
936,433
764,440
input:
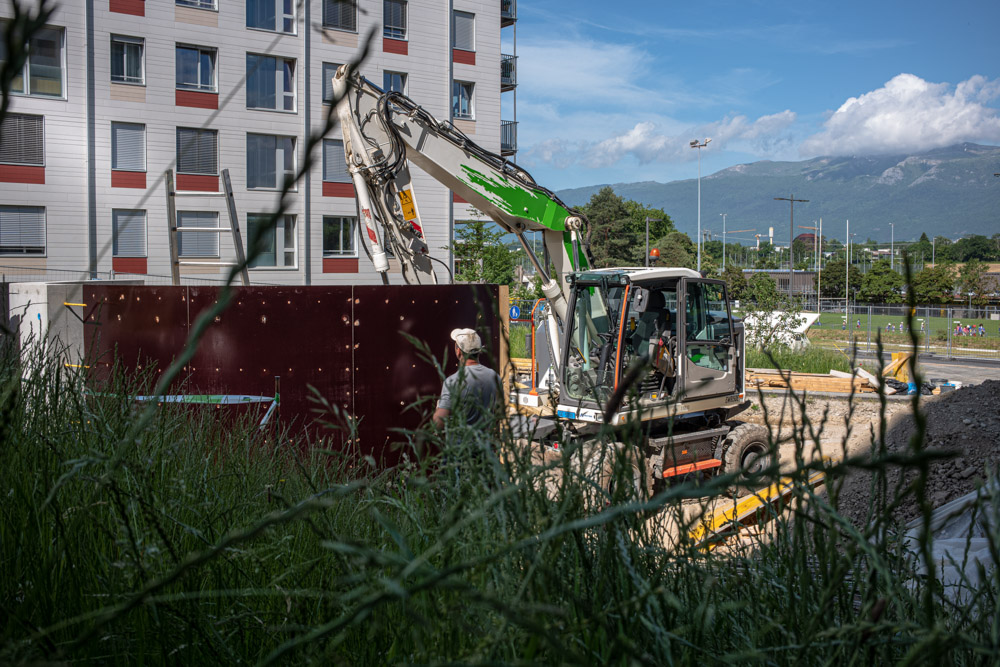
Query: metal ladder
x,y
234,227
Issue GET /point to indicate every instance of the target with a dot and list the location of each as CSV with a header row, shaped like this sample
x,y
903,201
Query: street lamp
x,y
699,145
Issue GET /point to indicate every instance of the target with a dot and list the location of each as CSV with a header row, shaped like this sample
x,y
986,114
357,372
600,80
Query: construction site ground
x,y
964,422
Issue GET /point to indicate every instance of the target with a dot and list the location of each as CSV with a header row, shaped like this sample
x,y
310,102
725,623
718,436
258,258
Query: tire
x,y
603,469
748,452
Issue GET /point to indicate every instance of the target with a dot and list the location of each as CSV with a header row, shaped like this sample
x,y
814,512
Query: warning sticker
x,y
406,202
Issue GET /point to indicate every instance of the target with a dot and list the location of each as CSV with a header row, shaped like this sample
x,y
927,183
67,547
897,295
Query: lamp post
x,y
791,234
649,220
723,241
699,145
892,246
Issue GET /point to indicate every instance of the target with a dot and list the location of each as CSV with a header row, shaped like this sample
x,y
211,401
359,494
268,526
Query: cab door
x,y
707,348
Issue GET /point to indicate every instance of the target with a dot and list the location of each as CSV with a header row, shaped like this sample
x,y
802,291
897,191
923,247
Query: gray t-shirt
x,y
472,391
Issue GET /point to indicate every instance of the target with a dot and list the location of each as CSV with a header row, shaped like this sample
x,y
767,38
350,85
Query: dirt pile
x,y
965,422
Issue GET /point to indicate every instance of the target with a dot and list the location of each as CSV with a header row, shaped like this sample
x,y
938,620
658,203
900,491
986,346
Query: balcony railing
x,y
508,12
508,72
508,137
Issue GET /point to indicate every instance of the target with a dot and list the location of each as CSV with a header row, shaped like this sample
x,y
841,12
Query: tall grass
x,y
809,360
200,541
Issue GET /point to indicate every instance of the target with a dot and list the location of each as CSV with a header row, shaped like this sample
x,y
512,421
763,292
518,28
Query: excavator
x,y
657,346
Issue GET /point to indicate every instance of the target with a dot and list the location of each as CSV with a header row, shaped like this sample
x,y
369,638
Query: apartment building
x,y
117,92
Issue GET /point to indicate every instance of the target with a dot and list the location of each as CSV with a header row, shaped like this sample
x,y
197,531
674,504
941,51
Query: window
x,y
128,146
197,244
340,14
126,60
197,4
329,69
42,73
270,160
128,233
394,81
22,230
196,68
276,15
276,245
22,140
197,151
340,236
461,99
270,83
335,162
463,31
394,19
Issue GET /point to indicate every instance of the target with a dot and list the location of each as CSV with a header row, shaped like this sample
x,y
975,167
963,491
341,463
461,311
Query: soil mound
x,y
965,422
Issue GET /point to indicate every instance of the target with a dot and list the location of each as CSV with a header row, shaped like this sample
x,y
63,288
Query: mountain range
x,y
950,192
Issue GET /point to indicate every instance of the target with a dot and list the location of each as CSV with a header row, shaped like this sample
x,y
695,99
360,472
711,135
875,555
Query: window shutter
x,y
335,162
340,14
22,229
129,233
261,163
261,88
22,140
394,14
261,14
465,29
329,69
197,244
128,146
197,151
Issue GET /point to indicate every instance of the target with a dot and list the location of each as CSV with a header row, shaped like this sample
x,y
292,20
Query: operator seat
x,y
650,324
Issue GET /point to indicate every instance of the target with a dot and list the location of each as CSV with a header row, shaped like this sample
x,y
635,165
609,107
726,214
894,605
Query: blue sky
x,y
614,92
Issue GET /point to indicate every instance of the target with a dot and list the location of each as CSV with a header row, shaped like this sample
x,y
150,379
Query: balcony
x,y
508,137
508,72
508,12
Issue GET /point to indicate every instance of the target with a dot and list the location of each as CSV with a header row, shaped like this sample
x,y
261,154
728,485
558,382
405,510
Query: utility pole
x,y
892,246
723,242
791,234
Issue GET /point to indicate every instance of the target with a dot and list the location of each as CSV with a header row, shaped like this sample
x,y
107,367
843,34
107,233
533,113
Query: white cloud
x,y
909,114
647,142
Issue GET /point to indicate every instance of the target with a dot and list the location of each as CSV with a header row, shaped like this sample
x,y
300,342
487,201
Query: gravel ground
x,y
964,423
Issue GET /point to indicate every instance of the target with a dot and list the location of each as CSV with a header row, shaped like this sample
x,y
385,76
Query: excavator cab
x,y
676,326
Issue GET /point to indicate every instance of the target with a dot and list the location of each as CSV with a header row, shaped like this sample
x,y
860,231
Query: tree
x,y
933,285
943,249
882,284
735,281
770,316
613,240
677,249
972,278
921,248
480,255
833,279
972,247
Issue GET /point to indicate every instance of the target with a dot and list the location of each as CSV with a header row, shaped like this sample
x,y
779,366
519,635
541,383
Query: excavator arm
x,y
384,131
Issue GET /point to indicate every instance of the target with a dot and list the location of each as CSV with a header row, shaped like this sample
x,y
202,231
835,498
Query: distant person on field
x,y
982,329
473,391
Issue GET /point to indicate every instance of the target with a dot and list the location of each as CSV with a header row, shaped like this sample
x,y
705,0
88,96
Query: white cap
x,y
468,340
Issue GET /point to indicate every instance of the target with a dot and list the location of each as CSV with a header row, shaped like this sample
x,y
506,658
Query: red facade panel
x,y
197,183
338,189
340,265
19,173
129,264
398,46
456,199
196,99
133,7
128,179
463,57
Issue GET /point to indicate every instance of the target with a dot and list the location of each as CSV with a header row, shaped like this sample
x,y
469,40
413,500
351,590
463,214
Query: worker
x,y
474,389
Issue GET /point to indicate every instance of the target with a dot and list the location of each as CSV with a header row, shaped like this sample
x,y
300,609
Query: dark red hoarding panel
x,y
345,341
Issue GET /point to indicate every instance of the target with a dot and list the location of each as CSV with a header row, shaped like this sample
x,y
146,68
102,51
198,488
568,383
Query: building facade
x,y
117,92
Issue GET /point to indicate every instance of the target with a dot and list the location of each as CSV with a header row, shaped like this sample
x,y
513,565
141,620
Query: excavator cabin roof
x,y
640,274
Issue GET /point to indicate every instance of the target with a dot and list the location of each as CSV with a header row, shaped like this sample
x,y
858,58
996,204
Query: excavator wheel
x,y
747,450
603,469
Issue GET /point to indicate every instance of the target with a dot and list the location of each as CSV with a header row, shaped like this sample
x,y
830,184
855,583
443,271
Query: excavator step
x,y
706,464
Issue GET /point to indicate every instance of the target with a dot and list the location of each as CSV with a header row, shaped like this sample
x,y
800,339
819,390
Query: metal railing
x,y
508,137
508,71
508,12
